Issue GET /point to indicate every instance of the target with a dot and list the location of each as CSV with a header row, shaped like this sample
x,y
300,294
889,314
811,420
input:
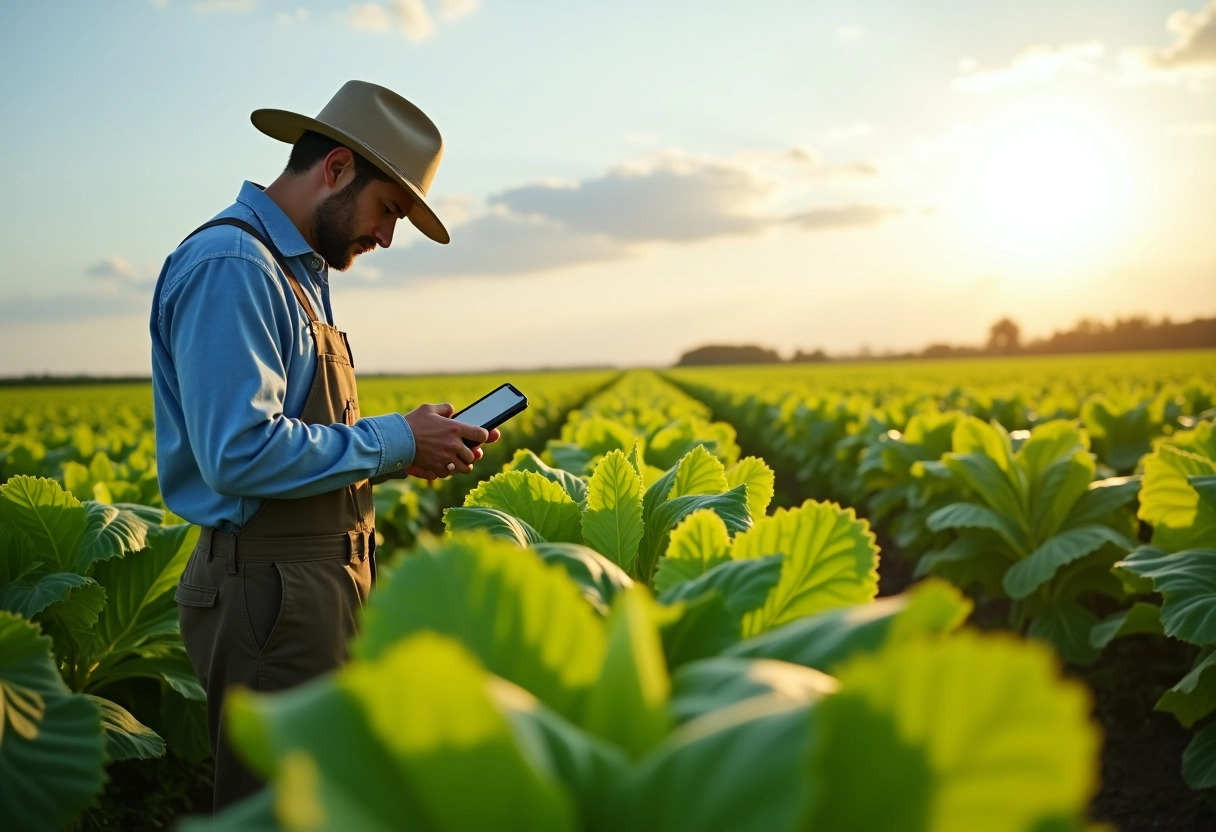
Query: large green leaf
x,y
628,702
51,746
71,621
933,728
599,578
1058,470
831,560
707,685
731,506
612,520
825,640
126,737
589,766
253,814
1180,518
1187,580
526,621
1028,574
341,756
1205,486
698,628
1066,625
1194,697
699,472
1140,617
492,521
32,593
541,503
574,485
52,518
743,584
697,544
973,516
1102,498
738,768
139,593
110,532
1199,759
184,724
759,479
163,659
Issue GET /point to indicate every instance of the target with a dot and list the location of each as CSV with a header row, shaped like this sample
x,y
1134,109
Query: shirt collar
x,y
282,231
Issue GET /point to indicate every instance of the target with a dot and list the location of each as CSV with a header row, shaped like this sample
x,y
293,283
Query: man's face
x,y
357,219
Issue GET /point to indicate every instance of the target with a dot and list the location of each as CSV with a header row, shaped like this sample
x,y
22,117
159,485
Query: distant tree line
x,y
1004,338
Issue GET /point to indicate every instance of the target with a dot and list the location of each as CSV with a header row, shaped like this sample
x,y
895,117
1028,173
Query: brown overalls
x,y
275,604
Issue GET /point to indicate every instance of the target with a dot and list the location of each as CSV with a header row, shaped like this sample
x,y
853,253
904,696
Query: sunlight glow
x,y
1047,178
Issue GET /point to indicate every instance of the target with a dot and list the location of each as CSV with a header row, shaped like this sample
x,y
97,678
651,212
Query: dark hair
x,y
312,147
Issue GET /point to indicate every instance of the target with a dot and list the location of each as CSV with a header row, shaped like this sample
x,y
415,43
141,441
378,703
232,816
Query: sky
x,y
626,181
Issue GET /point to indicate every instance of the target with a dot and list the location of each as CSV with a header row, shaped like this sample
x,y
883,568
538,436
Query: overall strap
x,y
296,288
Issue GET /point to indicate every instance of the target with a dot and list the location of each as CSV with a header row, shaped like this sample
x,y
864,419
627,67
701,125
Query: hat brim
x,y
288,127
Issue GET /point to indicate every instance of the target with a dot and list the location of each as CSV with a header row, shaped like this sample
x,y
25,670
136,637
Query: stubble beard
x,y
333,227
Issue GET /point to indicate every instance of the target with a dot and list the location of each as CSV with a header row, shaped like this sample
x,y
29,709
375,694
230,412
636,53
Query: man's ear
x,y
337,168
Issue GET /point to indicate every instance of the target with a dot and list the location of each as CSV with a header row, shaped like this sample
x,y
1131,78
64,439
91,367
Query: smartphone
x,y
492,409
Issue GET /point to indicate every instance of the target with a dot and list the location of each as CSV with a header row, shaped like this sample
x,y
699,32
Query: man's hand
x,y
438,442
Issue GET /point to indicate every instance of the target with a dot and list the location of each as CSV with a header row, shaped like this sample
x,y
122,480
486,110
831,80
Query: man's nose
x,y
384,235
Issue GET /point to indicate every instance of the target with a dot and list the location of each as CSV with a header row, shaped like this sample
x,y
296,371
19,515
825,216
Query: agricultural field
x,y
967,595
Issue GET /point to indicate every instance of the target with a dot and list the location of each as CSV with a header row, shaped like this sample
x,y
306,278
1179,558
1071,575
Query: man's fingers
x,y
444,409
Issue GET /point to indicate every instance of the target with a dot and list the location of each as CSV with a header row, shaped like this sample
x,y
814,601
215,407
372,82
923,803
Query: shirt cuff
x,y
396,442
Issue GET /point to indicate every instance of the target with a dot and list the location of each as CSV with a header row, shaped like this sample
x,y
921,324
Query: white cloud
x,y
411,18
662,199
849,32
113,266
288,18
1191,55
1034,65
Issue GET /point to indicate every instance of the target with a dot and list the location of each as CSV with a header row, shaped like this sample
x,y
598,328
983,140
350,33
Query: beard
x,y
333,227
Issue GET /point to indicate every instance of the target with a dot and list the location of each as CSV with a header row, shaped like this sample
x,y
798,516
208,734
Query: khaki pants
x,y
267,625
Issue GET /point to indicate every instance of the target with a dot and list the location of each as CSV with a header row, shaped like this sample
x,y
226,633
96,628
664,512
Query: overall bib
x,y
275,604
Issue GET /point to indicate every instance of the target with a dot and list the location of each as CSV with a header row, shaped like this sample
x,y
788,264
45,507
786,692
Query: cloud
x,y
667,199
674,199
1191,55
847,216
1034,65
113,267
502,243
412,18
849,32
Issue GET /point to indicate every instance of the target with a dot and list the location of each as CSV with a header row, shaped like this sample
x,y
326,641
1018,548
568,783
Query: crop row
x,y
1034,516
617,634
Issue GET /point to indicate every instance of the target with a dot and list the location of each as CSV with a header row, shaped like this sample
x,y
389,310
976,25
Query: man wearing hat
x,y
259,436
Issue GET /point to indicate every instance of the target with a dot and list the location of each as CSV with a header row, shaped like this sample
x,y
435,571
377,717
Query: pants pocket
x,y
262,586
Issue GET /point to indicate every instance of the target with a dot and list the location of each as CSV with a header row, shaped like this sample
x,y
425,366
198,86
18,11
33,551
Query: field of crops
x,y
656,605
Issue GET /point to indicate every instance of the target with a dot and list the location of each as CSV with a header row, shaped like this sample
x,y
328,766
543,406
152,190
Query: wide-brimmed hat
x,y
380,126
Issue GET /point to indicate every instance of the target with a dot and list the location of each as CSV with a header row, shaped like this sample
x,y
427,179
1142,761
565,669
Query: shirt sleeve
x,y
229,325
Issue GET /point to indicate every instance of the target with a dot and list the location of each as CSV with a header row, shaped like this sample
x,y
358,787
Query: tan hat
x,y
380,126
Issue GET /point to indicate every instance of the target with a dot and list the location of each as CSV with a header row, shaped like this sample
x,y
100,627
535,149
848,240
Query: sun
x,y
1046,178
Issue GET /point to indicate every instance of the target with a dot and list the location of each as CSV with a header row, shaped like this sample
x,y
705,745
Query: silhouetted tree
x,y
1005,336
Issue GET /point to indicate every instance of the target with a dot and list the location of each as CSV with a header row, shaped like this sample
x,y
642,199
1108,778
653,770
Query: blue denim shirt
x,y
232,363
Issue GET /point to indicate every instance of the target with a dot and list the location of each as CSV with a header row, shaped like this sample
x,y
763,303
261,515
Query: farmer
x,y
259,437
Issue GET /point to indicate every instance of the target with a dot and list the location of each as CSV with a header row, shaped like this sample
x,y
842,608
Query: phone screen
x,y
484,411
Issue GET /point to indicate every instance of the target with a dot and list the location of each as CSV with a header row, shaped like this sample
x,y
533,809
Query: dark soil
x,y
149,795
1142,787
